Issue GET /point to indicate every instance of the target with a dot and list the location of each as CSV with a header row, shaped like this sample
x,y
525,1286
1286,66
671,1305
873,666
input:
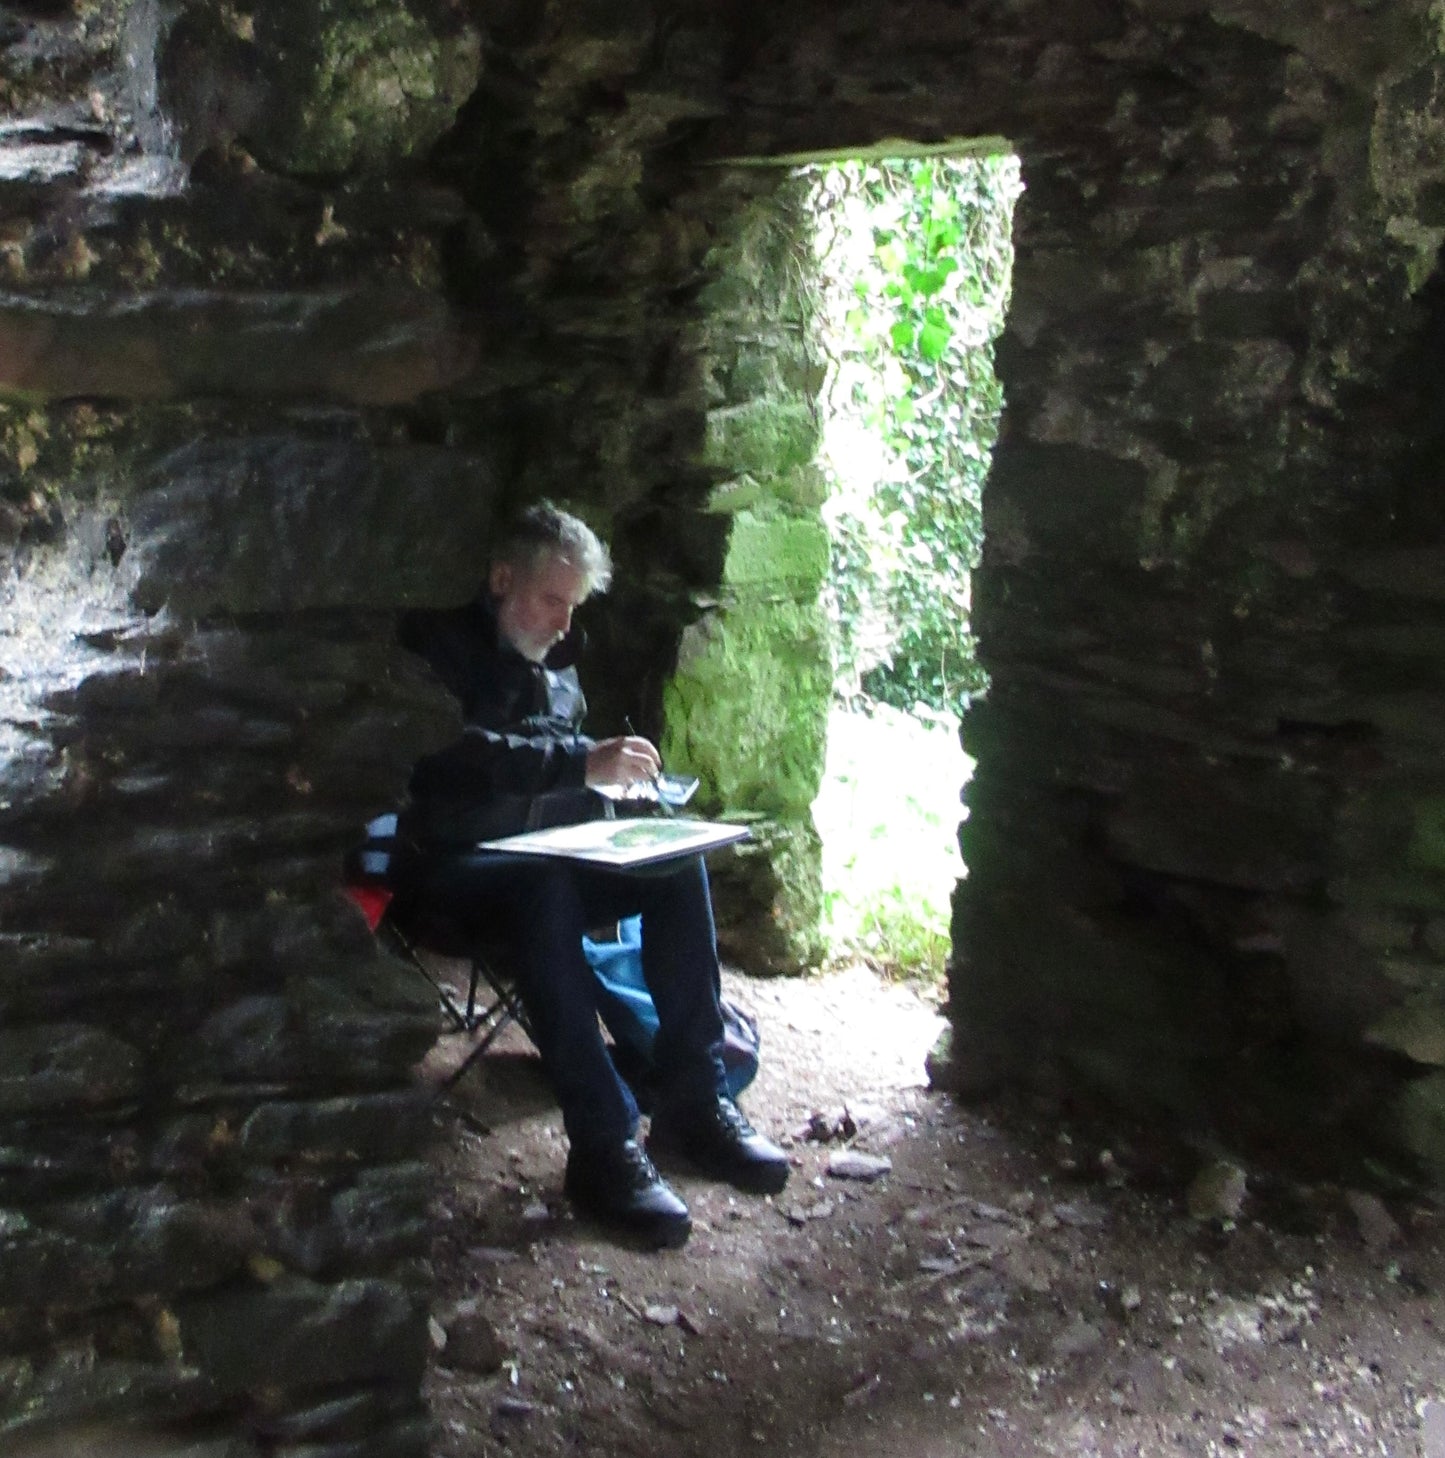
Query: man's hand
x,y
626,760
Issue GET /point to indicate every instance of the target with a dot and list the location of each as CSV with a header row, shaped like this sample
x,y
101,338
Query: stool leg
x,y
472,994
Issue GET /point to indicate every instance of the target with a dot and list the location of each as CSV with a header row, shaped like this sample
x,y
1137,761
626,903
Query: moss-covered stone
x,y
1406,168
742,492
754,374
362,85
768,893
804,488
747,708
765,437
777,554
747,712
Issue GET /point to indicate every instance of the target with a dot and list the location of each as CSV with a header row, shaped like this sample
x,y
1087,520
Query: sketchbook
x,y
621,843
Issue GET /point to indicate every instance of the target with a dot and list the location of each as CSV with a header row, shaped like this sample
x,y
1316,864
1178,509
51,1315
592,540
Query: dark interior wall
x,y
220,481
1202,874
428,262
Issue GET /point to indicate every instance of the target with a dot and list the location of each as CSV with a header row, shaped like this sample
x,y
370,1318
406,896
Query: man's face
x,y
535,604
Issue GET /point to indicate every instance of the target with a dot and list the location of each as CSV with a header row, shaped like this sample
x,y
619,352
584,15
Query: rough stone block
x,y
317,1034
284,523
365,1226
296,1335
1067,499
71,1394
371,1128
768,898
777,555
1417,1031
410,1439
65,1065
341,1418
762,438
1254,831
747,708
328,87
40,1267
1418,1124
382,346
122,1245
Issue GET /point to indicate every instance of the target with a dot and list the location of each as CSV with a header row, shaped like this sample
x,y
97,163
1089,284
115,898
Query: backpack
x,y
629,1016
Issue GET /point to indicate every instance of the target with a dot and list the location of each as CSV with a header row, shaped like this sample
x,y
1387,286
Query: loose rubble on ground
x,y
936,1279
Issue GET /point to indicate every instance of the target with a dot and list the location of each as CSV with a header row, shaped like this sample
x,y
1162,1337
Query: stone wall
x,y
1209,894
747,707
298,299
217,487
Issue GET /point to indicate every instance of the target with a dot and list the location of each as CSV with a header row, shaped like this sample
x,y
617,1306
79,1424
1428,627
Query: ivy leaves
x,y
922,254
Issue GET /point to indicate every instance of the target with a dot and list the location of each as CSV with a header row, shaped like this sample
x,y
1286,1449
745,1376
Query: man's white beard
x,y
533,650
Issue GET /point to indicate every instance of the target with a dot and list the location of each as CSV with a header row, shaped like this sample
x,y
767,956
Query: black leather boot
x,y
716,1139
618,1185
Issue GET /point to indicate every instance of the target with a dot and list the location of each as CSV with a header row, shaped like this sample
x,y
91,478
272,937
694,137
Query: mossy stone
x,y
364,84
804,488
780,554
742,492
753,374
765,437
768,896
747,710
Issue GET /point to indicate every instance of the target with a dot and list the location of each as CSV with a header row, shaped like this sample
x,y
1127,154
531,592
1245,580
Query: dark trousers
x,y
542,907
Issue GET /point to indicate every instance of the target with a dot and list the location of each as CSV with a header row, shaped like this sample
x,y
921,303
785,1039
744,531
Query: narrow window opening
x,y
914,259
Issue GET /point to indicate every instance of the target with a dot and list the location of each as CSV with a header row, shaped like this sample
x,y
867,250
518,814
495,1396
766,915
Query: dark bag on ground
x,y
630,1017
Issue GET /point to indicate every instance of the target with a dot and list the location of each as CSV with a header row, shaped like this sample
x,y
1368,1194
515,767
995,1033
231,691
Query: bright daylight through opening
x,y
914,258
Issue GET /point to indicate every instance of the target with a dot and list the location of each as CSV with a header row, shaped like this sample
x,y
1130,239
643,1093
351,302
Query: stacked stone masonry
x,y
297,299
746,709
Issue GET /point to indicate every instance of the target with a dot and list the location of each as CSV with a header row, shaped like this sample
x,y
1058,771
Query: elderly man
x,y
523,763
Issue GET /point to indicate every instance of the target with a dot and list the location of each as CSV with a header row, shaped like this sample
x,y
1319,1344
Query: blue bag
x,y
630,1017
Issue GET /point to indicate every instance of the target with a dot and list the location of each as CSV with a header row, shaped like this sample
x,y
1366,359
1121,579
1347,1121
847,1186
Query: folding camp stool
x,y
492,1002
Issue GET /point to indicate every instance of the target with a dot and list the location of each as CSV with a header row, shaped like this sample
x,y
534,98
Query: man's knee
x,y
549,890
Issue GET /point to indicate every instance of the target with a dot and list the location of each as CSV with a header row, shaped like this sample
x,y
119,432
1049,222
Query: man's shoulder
x,y
445,632
459,645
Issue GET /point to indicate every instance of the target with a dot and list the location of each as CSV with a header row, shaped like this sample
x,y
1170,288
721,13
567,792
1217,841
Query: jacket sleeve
x,y
483,763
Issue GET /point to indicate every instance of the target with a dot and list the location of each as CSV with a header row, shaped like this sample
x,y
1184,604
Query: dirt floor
x,y
1006,1287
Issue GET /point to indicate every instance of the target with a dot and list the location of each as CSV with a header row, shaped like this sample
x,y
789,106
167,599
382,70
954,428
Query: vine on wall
x,y
915,257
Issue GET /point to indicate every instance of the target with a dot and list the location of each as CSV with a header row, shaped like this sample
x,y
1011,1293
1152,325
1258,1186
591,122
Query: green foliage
x,y
887,815
916,257
904,935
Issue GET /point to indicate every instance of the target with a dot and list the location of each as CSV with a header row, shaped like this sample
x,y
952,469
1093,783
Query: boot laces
x,y
637,1169
733,1120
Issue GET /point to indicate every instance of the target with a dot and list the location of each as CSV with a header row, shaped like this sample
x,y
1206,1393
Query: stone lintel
x,y
384,346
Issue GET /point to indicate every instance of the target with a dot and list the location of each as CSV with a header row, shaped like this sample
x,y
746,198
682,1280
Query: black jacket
x,y
521,761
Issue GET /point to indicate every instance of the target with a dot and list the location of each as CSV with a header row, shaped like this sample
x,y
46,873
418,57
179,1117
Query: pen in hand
x,y
662,804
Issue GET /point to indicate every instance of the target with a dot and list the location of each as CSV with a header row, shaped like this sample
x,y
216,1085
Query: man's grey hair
x,y
544,531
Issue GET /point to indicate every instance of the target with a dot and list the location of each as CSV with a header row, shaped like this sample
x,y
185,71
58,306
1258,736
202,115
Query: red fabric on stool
x,y
372,900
